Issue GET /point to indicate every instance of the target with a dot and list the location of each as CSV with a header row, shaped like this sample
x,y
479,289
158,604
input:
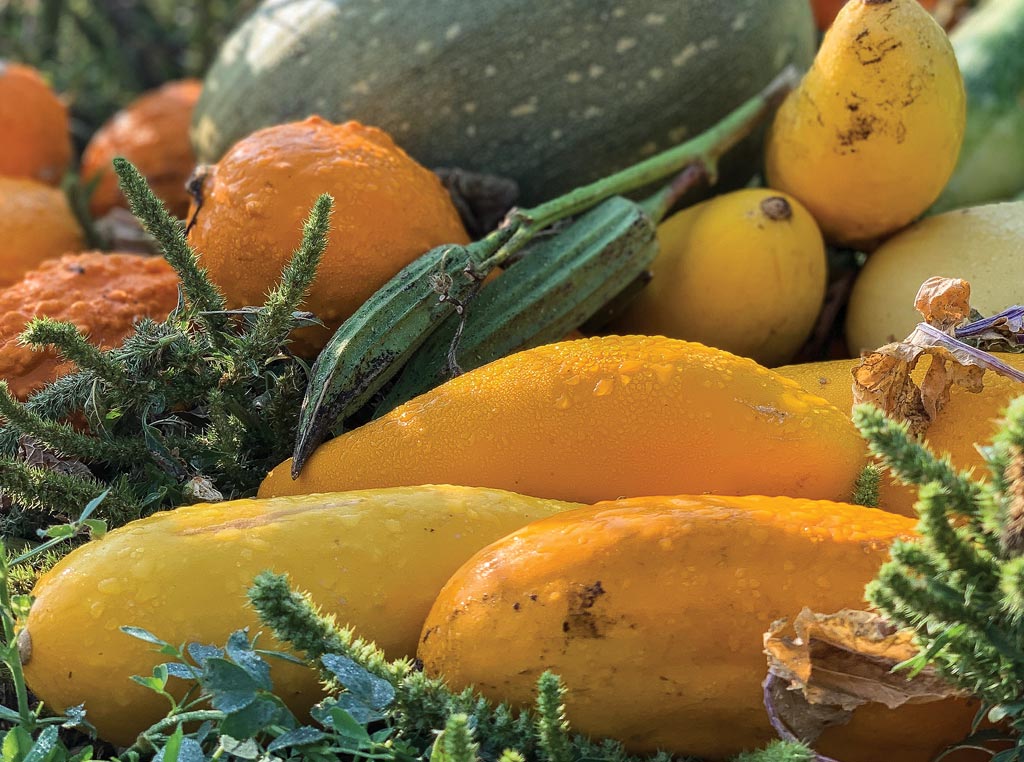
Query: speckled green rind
x,y
989,47
552,93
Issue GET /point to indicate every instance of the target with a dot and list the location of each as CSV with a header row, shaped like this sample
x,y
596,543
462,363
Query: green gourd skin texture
x,y
988,47
551,93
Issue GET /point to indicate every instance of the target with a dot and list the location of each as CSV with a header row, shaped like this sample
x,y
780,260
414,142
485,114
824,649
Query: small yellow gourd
x,y
872,134
374,559
744,272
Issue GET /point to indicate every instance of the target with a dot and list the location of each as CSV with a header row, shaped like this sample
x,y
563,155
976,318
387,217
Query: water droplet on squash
x,y
110,586
604,387
562,403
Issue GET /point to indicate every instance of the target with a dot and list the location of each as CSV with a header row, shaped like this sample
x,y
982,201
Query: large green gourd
x,y
552,93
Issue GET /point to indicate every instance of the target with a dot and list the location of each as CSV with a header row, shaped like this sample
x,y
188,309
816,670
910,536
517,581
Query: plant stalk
x,y
13,660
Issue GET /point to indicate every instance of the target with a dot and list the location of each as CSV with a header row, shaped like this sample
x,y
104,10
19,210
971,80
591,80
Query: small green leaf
x,y
97,528
16,744
44,746
346,726
298,737
170,751
240,652
20,605
375,692
231,687
247,749
92,505
59,531
255,717
146,635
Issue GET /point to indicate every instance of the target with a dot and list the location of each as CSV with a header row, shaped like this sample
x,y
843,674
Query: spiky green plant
x,y
197,406
960,587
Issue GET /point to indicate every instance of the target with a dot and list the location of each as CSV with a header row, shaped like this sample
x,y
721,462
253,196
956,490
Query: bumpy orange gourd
x,y
873,132
103,294
966,420
376,560
744,272
152,133
36,223
388,211
35,141
597,419
652,611
825,10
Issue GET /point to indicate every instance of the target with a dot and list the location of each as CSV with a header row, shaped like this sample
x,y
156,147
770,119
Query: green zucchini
x,y
550,93
989,47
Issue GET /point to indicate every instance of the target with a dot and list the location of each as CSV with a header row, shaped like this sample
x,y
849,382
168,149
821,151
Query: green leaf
x,y
92,505
240,652
97,528
170,751
16,744
255,717
231,687
44,746
374,692
20,605
58,531
247,749
346,726
146,635
298,737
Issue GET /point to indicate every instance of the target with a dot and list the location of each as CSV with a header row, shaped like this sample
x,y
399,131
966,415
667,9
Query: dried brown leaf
x,y
828,665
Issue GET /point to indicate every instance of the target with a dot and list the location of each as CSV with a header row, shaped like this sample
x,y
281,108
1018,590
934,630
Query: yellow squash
x,y
375,559
744,272
872,134
966,421
597,419
980,244
653,609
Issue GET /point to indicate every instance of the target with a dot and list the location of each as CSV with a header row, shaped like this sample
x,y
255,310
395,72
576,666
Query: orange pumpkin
x,y
34,139
152,133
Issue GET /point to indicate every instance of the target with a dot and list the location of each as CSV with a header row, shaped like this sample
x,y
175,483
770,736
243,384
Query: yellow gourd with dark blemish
x,y
872,134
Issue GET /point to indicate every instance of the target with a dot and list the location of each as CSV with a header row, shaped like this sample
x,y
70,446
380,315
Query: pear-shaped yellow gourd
x,y
744,272
872,134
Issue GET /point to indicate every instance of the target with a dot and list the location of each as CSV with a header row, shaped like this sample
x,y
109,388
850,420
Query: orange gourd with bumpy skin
x,y
597,419
652,611
388,211
967,419
872,134
35,141
375,559
36,224
103,294
152,133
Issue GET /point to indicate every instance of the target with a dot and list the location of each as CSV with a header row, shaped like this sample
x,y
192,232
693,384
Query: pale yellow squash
x,y
374,559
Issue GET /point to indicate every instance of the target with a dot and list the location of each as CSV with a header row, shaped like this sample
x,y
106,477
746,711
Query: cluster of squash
x,y
631,512
600,536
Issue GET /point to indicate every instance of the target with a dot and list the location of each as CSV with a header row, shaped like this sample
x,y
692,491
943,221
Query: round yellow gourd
x,y
984,245
744,272
967,420
873,132
374,559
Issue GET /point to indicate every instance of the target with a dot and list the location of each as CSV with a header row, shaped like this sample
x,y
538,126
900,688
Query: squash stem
x,y
706,148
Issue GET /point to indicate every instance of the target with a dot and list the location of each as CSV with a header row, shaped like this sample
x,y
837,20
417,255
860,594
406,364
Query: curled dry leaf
x,y
822,667
884,378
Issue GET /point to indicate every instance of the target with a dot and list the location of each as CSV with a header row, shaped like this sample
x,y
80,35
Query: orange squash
x,y
36,224
652,611
388,211
966,421
152,133
597,419
35,141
